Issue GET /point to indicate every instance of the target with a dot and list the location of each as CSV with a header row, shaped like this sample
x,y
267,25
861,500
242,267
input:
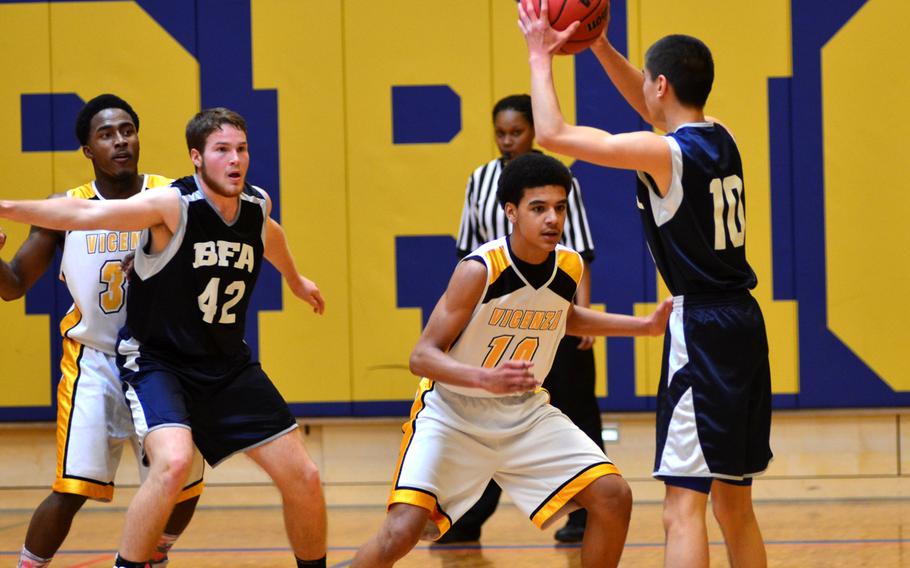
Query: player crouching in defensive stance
x,y
481,413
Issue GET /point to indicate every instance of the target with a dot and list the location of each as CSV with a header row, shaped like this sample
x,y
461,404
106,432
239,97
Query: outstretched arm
x,y
449,318
644,151
147,209
279,255
582,321
29,263
583,300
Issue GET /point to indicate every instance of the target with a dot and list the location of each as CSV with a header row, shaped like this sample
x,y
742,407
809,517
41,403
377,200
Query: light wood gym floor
x,y
836,495
874,533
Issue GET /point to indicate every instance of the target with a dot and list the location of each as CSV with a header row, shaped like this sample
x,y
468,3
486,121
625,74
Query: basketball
x,y
591,13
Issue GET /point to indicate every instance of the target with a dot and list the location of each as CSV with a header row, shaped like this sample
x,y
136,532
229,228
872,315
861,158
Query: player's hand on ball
x,y
658,320
511,377
308,291
542,39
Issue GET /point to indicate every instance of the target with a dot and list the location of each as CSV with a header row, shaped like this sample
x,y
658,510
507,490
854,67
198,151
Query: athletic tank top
x,y
697,232
513,319
188,303
90,267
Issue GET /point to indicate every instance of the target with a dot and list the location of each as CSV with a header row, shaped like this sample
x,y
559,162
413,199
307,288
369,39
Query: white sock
x,y
29,560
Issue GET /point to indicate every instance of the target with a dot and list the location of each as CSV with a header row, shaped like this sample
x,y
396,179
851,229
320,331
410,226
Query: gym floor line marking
x,y
93,561
495,547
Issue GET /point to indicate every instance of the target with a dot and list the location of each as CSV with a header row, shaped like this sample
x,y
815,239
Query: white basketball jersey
x,y
91,269
514,320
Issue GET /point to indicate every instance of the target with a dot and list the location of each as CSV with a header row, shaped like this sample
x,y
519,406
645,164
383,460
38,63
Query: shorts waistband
x,y
704,299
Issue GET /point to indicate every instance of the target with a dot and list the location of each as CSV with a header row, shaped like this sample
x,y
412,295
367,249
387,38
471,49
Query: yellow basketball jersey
x,y
514,320
91,269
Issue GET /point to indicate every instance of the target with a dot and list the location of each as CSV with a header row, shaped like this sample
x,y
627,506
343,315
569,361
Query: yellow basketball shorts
x,y
93,425
454,444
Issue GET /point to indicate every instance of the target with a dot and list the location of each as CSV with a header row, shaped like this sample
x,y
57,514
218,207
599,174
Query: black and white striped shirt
x,y
483,219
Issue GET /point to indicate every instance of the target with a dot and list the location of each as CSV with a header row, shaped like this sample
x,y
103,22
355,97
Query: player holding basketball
x,y
714,398
188,373
479,413
93,419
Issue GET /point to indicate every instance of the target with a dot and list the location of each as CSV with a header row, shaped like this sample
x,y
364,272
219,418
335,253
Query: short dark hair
x,y
529,171
518,103
207,121
687,64
96,105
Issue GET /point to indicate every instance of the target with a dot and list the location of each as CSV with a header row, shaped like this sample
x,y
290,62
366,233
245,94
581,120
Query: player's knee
x,y
310,479
299,476
732,513
401,531
308,474
400,535
172,470
609,494
681,512
68,503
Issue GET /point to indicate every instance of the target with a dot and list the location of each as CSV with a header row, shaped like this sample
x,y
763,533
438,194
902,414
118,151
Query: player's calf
x,y
48,528
398,535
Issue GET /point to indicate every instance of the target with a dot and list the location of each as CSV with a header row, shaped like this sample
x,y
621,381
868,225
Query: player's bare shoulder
x,y
470,272
468,282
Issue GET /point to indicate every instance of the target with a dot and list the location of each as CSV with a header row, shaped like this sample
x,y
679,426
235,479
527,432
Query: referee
x,y
571,379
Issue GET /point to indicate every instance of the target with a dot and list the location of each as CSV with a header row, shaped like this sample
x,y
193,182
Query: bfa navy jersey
x,y
188,303
697,232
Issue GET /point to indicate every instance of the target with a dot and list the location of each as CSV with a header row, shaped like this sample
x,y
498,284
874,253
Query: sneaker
x,y
570,533
459,535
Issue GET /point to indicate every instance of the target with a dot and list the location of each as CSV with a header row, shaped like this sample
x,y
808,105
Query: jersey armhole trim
x,y
148,265
265,212
664,208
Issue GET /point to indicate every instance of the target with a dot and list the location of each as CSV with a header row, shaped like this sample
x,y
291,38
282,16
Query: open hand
x,y
306,290
658,320
511,377
541,38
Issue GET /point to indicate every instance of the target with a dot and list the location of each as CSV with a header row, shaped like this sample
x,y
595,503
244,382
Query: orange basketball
x,y
591,13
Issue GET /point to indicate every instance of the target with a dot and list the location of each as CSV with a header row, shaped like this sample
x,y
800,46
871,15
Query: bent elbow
x,y
545,138
11,295
553,141
415,363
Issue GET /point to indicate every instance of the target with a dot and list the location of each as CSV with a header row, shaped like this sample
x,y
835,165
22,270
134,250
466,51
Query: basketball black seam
x,y
592,11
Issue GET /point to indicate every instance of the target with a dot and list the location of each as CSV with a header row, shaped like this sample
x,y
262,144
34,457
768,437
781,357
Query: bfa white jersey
x,y
513,319
91,269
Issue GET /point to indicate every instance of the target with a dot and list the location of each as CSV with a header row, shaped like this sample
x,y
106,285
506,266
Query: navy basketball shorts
x,y
229,413
714,398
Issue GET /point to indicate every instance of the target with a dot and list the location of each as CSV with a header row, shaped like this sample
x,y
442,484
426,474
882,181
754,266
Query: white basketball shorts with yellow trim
x,y
454,444
93,425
